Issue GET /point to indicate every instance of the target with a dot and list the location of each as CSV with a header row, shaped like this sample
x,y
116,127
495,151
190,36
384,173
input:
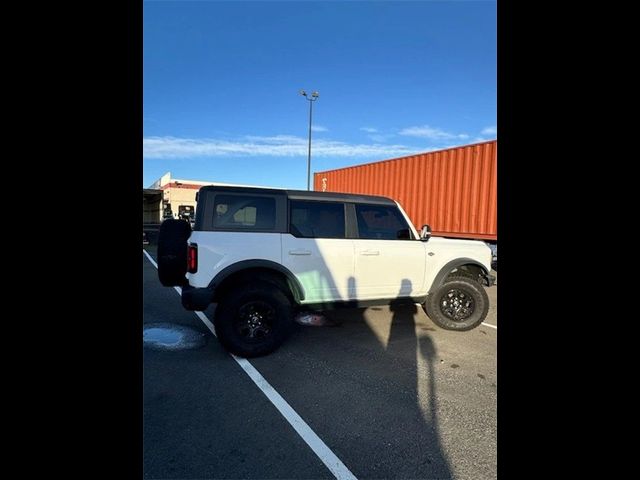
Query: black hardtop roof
x,y
305,195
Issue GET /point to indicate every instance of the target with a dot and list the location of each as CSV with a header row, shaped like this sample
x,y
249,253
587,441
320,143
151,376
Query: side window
x,y
382,223
244,212
317,219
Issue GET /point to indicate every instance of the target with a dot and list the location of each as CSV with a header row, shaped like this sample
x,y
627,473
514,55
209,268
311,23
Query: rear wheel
x,y
172,252
460,304
253,320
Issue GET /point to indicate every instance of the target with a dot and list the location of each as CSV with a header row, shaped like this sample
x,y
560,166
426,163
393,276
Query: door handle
x,y
299,252
369,252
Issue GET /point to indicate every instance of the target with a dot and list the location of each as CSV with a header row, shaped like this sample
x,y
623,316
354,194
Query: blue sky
x,y
221,82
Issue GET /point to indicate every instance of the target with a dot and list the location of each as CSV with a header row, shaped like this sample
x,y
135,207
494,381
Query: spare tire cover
x,y
172,252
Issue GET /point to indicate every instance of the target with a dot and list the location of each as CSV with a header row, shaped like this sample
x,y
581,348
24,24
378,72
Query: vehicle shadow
x,y
374,379
419,355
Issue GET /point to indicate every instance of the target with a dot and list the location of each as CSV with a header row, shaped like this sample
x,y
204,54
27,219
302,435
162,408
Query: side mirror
x,y
425,234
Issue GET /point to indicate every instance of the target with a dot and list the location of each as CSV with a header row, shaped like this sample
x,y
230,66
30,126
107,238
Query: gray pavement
x,y
390,393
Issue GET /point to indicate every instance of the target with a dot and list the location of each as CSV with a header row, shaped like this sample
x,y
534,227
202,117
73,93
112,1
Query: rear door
x,y
317,251
389,262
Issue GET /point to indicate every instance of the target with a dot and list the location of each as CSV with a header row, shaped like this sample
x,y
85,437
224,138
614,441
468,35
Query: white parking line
x,y
153,262
324,453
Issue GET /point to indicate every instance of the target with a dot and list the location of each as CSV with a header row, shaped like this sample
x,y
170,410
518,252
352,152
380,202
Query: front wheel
x,y
253,320
460,304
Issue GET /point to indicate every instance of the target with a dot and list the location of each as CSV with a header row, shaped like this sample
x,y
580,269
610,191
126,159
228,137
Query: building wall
x,y
177,196
177,192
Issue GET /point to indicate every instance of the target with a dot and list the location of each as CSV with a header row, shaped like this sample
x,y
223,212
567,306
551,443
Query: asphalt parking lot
x,y
388,392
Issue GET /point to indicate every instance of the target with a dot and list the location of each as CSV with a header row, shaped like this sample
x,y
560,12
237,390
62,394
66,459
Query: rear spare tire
x,y
172,252
460,303
254,319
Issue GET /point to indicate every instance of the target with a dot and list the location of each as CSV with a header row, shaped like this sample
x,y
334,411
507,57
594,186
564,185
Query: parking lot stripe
x,y
489,325
323,452
153,262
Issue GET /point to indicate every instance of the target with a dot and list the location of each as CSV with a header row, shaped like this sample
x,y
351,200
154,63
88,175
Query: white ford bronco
x,y
261,254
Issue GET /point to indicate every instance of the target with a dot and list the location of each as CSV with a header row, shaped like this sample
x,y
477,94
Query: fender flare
x,y
446,269
294,283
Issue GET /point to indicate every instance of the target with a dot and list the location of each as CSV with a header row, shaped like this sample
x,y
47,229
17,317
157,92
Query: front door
x,y
388,262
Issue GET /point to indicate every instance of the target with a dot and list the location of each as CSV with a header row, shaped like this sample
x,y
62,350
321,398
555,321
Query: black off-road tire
x,y
236,312
172,252
464,273
460,303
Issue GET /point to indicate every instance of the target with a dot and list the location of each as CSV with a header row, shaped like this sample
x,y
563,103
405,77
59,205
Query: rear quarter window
x,y
239,212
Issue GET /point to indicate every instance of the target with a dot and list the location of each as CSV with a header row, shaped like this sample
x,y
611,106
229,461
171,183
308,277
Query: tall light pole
x,y
312,98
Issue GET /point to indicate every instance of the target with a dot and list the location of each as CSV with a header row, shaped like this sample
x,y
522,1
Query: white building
x,y
172,197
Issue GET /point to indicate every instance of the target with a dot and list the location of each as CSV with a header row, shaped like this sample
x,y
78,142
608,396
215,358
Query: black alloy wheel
x,y
255,320
457,304
460,303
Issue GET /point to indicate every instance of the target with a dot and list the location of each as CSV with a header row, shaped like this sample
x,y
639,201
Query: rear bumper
x,y
196,298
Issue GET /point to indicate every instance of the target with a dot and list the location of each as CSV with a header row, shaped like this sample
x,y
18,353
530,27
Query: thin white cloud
x,y
319,128
375,135
279,145
431,133
274,140
380,137
492,130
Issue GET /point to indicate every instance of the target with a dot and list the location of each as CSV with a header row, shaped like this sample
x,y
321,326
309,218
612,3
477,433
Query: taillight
x,y
192,258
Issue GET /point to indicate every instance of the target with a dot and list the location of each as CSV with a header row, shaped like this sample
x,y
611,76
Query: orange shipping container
x,y
453,190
